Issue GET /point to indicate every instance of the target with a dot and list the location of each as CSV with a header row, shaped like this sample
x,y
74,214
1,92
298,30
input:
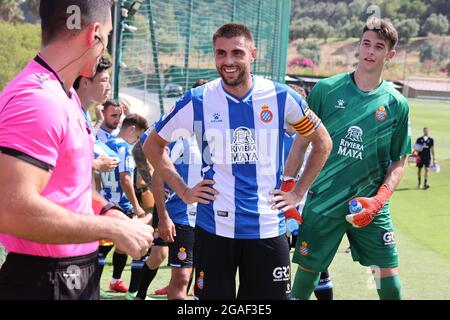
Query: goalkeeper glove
x,y
370,207
287,186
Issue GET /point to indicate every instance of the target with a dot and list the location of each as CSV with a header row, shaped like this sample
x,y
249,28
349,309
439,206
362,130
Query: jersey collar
x,y
239,99
38,59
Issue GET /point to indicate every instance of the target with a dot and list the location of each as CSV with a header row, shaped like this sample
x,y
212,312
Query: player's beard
x,y
110,126
233,83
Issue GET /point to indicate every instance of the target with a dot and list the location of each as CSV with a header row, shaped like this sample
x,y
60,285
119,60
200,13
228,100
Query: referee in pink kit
x,y
47,223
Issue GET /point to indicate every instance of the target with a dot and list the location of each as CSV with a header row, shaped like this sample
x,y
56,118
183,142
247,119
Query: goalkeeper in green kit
x,y
368,121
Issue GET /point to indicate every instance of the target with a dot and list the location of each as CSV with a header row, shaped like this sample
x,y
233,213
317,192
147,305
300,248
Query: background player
x,y
118,187
426,153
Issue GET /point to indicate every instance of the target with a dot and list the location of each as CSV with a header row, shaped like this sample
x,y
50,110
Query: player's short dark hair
x,y
54,16
110,103
199,83
103,65
384,29
133,119
232,30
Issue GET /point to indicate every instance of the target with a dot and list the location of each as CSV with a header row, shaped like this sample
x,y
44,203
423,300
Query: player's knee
x,y
307,270
384,272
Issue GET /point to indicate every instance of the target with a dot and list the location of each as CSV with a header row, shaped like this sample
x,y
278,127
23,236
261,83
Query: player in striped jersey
x,y
112,113
117,186
177,219
239,122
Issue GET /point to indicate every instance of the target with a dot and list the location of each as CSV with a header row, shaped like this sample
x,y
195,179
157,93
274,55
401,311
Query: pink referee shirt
x,y
39,120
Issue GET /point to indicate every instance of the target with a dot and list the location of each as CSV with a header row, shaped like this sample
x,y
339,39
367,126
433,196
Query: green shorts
x,y
320,236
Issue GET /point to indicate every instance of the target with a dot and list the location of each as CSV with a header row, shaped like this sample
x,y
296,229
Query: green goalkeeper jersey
x,y
369,130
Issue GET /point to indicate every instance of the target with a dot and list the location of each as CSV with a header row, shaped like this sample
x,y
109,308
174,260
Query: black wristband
x,y
110,206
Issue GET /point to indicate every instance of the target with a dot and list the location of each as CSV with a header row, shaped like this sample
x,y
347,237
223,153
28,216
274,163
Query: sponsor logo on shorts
x,y
182,255
155,234
266,115
281,274
73,277
303,250
380,114
387,238
200,280
222,213
288,288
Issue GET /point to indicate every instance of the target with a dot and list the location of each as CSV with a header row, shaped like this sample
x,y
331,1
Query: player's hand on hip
x,y
202,193
287,203
166,229
369,207
133,237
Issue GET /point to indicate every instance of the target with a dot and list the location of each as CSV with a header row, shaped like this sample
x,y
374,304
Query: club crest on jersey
x,y
182,255
380,114
303,250
266,115
200,280
352,145
243,148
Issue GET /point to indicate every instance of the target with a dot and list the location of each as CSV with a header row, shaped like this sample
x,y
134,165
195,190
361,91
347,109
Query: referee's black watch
x,y
110,206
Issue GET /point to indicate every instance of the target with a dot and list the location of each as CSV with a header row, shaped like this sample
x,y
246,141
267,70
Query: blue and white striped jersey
x,y
186,158
111,188
104,135
241,143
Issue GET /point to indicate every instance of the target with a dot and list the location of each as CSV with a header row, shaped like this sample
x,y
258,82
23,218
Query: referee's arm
x,y
26,214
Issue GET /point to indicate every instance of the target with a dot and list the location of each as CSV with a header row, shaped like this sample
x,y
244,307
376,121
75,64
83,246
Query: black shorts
x,y
157,241
26,277
424,162
264,268
181,251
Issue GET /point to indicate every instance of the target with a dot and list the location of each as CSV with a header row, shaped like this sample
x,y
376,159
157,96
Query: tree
x,y
321,29
357,8
18,44
353,28
407,29
428,53
301,29
33,6
309,50
10,11
436,24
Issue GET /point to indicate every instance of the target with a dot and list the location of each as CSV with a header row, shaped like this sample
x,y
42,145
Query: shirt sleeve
x,y
179,122
299,115
314,99
401,137
31,125
126,163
